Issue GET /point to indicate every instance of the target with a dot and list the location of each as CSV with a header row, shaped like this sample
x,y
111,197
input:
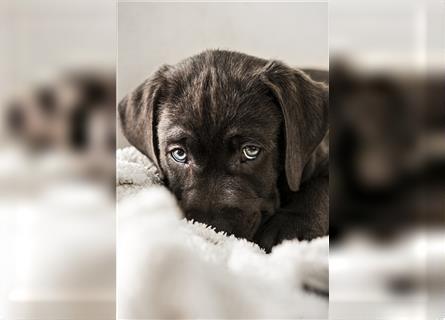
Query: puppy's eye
x,y
251,152
179,155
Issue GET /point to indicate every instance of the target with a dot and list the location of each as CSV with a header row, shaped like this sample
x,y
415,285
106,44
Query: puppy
x,y
240,141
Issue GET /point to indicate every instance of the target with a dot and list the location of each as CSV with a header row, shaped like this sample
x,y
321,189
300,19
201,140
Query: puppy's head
x,y
212,124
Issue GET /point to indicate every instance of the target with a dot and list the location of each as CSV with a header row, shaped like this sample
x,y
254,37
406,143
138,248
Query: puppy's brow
x,y
250,134
240,132
177,133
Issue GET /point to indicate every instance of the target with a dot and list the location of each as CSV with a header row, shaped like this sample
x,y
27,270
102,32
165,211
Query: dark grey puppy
x,y
238,140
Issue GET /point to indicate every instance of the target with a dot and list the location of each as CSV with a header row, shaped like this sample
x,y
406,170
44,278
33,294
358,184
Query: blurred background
x,y
387,108
57,167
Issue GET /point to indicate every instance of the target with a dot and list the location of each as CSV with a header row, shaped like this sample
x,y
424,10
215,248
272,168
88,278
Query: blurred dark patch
x,y
73,114
15,118
79,130
387,151
404,285
94,91
46,101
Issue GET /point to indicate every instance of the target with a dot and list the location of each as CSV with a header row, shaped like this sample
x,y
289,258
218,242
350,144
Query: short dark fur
x,y
211,105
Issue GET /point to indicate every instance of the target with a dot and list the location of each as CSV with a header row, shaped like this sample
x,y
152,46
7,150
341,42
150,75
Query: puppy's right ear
x,y
137,113
304,104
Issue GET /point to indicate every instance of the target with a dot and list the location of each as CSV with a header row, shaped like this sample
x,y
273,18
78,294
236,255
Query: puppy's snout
x,y
224,204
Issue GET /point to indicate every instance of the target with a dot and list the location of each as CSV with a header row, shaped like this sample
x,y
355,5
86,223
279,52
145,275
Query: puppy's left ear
x,y
304,104
137,113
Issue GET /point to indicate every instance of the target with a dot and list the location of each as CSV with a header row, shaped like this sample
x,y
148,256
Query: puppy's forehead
x,y
208,93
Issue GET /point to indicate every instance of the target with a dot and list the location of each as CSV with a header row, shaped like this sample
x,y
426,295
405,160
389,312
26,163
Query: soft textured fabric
x,y
168,267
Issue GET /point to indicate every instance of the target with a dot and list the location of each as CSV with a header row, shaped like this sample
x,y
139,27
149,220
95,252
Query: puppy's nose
x,y
16,119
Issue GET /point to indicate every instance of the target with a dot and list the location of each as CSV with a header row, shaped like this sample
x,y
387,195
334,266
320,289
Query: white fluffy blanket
x,y
168,267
